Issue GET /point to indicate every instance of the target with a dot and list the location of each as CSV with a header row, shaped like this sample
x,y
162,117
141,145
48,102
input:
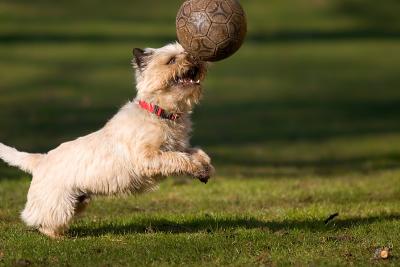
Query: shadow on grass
x,y
260,121
275,121
259,37
210,225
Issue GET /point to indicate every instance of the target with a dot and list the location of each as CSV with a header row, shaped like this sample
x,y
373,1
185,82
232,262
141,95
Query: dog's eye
x,y
172,61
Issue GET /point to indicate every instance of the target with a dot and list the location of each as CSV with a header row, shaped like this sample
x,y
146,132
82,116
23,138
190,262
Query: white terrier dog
x,y
148,139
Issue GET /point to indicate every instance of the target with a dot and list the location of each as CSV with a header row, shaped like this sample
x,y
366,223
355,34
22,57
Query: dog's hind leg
x,y
80,204
49,211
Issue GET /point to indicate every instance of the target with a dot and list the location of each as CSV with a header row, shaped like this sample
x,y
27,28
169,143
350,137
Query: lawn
x,y
313,130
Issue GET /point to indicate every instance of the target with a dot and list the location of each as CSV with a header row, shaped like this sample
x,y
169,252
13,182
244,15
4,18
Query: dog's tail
x,y
25,161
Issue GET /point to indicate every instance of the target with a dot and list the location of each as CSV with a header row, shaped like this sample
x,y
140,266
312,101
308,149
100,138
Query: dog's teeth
x,y
198,81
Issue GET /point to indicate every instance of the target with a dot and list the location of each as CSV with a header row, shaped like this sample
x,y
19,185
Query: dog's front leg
x,y
169,163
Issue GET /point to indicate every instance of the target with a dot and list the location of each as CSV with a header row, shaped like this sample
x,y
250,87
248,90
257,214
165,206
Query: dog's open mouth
x,y
190,77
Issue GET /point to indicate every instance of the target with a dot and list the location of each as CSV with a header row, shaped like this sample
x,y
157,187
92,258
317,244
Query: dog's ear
x,y
141,57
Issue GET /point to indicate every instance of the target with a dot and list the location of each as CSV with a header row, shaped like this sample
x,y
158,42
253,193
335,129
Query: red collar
x,y
158,111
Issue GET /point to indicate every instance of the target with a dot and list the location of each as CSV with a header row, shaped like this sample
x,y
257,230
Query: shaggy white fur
x,y
130,154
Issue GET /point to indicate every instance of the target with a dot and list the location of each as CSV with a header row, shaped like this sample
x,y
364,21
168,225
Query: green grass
x,y
237,222
302,123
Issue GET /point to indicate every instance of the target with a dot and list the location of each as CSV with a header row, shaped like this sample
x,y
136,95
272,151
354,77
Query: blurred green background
x,y
315,88
303,122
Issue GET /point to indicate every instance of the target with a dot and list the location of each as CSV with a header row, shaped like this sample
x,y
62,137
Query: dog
x,y
146,141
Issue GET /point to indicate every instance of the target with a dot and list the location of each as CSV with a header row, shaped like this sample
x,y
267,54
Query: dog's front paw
x,y
203,171
206,174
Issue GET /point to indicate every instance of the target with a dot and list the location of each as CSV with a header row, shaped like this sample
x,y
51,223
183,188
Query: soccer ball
x,y
211,30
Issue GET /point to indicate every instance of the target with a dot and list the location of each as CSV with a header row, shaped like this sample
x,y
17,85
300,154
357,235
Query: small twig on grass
x,y
330,218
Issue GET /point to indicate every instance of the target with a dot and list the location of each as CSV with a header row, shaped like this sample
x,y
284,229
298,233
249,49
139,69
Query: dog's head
x,y
169,77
